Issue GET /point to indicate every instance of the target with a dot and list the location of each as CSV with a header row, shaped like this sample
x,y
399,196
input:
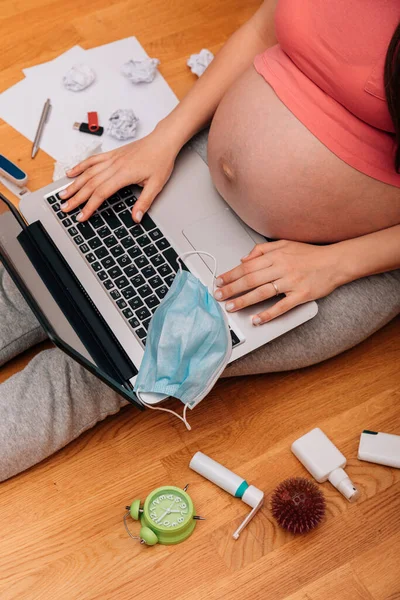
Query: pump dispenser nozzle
x,y
324,461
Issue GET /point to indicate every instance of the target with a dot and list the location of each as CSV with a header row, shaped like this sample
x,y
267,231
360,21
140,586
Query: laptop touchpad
x,y
224,236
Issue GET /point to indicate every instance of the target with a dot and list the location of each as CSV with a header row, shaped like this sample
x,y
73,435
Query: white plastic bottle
x,y
324,461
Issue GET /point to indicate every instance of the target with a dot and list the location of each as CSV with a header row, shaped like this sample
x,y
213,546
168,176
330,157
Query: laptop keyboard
x,y
135,262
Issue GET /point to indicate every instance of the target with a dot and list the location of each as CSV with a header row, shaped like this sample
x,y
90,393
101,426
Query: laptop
x,y
106,277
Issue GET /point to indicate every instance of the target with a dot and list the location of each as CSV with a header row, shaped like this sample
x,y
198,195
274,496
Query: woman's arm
x,y
369,254
305,272
149,161
199,105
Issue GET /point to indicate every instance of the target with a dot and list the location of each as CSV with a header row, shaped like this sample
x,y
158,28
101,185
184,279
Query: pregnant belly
x,y
281,180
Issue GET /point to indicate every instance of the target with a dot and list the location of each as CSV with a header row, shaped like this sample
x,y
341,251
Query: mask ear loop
x,y
190,253
172,412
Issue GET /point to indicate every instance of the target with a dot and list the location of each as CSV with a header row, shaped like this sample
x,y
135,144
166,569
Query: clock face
x,y
169,509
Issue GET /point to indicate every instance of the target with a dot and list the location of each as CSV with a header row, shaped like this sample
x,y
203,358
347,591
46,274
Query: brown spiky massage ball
x,y
298,505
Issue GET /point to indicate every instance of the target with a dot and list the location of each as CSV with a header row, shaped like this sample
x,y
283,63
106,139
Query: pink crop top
x,y
328,70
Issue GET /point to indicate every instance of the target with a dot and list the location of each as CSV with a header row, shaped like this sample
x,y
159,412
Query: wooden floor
x,y
61,531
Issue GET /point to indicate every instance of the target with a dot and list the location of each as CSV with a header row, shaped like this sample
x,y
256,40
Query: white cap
x,y
343,483
252,496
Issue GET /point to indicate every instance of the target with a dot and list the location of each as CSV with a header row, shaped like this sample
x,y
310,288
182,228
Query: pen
x,y
40,128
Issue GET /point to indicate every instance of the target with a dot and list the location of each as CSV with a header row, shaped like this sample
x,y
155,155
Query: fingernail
x,y
68,171
79,217
63,193
218,295
230,306
219,281
139,216
256,320
64,205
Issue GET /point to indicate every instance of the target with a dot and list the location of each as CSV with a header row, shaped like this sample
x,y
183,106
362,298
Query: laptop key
x,y
136,302
152,301
120,233
164,270
141,261
148,272
118,207
134,323
96,266
62,215
146,324
108,284
162,244
90,257
51,199
171,257
108,262
127,242
110,218
128,314
78,239
131,271
234,337
104,232
84,248
86,230
147,222
121,282
155,282
138,280
56,207
101,252
113,199
126,218
102,275
117,251
67,222
150,250
130,201
134,252
96,221
121,303
128,292
143,313
94,243
115,272
124,261
136,231
115,295
126,191
170,279
155,234
72,231
110,241
142,333
157,260
162,291
145,290
143,241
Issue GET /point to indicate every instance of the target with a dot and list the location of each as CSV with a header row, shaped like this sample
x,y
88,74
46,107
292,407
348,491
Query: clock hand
x,y
168,511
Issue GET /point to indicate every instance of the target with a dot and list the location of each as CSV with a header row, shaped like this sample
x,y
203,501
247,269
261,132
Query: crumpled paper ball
x,y
140,71
198,63
122,124
78,78
81,152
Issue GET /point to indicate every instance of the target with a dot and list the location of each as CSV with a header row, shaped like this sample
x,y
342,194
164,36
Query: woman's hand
x,y
302,272
147,162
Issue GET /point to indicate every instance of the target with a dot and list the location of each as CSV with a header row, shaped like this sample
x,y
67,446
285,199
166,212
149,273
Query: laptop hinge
x,y
75,303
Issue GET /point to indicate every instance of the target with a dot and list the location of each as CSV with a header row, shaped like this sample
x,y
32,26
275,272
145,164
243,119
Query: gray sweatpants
x,y
53,400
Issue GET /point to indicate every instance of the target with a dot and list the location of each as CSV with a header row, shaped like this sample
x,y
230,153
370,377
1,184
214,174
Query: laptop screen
x,y
41,301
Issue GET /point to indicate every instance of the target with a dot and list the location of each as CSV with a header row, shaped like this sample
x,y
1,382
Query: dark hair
x,y
392,88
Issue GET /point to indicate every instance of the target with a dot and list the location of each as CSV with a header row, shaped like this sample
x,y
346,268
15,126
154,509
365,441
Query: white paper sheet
x,y
21,105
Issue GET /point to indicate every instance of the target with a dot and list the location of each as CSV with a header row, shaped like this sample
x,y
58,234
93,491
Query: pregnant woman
x,y
304,105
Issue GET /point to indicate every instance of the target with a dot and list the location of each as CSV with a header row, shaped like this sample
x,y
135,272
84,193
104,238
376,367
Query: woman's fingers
x,y
260,249
86,192
103,191
261,293
281,307
86,164
256,264
248,282
145,200
79,182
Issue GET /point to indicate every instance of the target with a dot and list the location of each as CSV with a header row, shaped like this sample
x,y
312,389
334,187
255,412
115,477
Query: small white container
x,y
380,448
324,461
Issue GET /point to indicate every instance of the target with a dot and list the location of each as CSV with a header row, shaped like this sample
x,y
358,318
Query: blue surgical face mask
x,y
188,343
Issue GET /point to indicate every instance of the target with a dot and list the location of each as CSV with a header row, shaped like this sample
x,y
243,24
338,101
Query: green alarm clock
x,y
167,516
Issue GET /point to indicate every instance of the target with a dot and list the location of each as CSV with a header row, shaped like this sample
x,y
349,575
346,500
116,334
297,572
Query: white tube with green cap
x,y
231,483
